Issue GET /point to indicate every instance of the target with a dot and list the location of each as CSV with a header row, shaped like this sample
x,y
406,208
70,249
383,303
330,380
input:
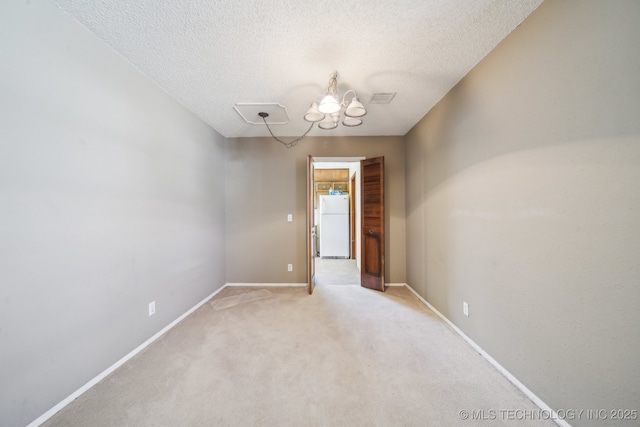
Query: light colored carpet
x,y
330,271
344,356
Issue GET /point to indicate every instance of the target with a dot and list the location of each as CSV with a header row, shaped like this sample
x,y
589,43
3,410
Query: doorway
x,y
337,177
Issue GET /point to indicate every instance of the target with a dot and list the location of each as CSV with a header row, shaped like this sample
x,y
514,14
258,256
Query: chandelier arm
x,y
287,144
344,97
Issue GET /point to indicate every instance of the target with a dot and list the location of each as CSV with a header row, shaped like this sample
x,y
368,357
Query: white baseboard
x,y
266,284
51,412
293,284
535,399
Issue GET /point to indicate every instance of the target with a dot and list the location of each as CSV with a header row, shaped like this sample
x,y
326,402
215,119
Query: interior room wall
x,y
523,200
111,196
266,181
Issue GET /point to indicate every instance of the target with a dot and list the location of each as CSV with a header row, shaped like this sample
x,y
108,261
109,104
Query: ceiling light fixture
x,y
328,112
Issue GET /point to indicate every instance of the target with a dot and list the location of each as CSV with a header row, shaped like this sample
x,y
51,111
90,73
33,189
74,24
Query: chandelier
x,y
328,113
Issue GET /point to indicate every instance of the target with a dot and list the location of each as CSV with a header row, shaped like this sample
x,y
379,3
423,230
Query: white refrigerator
x,y
334,226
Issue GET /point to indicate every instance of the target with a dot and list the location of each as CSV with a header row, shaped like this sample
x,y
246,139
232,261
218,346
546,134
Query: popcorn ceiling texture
x,y
212,54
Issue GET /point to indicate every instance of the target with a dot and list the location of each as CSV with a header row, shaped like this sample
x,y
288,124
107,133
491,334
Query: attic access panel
x,y
249,113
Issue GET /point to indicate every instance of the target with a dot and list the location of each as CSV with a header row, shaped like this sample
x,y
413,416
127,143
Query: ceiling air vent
x,y
382,98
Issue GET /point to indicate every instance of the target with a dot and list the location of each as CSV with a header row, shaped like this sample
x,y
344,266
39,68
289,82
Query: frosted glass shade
x,y
329,105
313,115
355,108
352,121
329,122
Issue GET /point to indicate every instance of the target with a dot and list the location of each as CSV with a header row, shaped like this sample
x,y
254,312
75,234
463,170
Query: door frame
x,y
311,256
312,161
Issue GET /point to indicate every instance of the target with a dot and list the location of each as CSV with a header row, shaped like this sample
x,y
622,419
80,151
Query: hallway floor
x,y
336,271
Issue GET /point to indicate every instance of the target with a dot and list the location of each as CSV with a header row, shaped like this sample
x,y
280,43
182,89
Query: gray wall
x,y
111,196
266,181
523,199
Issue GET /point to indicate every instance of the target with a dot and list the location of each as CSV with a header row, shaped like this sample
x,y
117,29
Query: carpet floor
x,y
345,356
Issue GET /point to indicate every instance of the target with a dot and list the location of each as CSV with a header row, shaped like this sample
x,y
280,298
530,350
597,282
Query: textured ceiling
x,y
211,54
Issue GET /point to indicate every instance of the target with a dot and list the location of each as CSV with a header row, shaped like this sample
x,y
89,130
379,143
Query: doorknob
x,y
371,231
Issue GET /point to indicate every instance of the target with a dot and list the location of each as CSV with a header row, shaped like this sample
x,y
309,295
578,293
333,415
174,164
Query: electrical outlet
x,y
152,308
465,308
290,217
289,267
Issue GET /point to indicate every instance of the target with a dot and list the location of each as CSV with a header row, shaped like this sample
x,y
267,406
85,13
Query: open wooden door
x,y
311,235
372,241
